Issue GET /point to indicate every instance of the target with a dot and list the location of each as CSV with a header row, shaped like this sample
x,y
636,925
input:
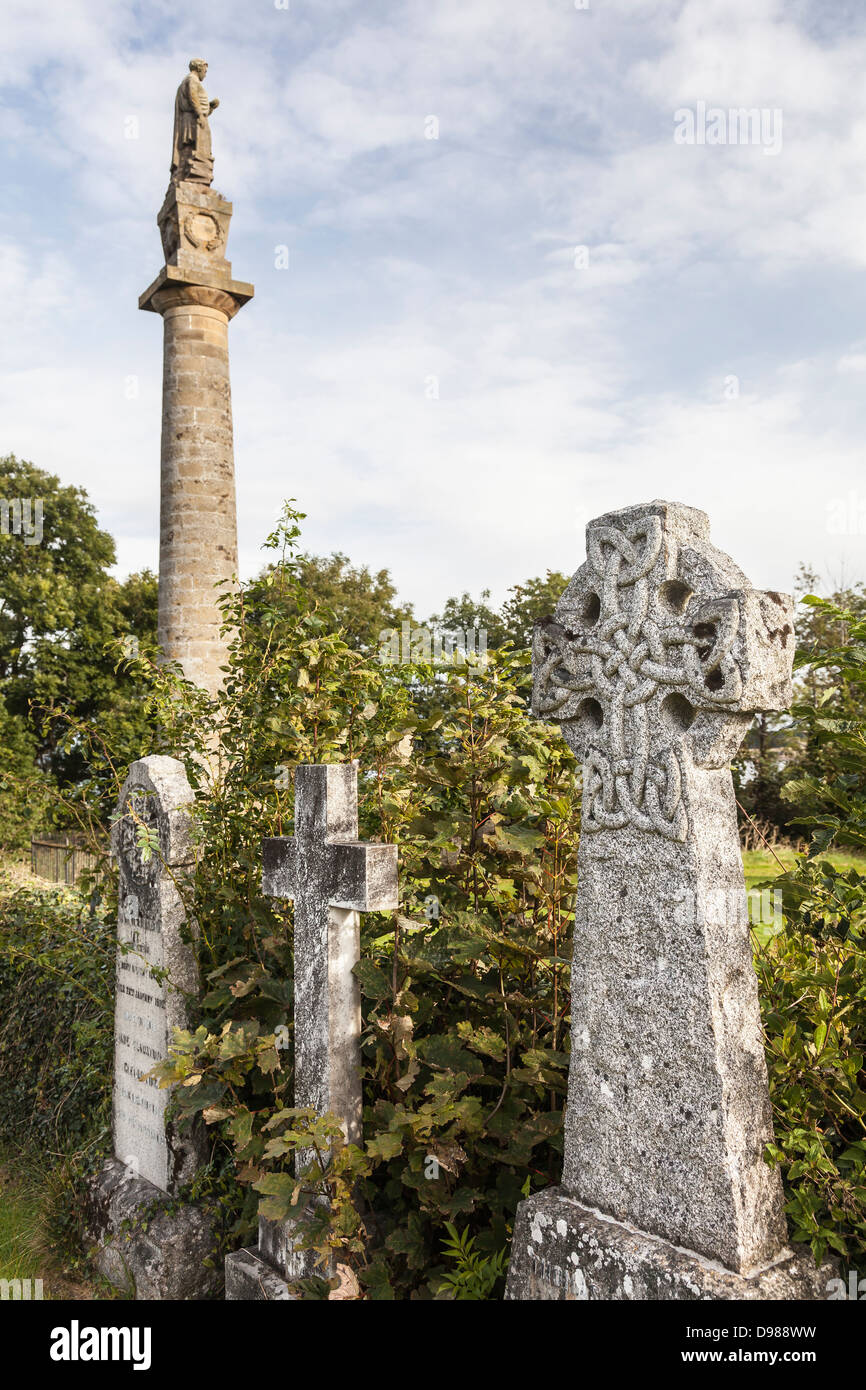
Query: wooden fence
x,y
59,858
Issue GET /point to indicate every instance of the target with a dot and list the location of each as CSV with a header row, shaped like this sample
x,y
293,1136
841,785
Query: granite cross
x,y
332,876
657,657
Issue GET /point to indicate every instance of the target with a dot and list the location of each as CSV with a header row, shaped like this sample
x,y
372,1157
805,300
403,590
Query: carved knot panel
x,y
648,656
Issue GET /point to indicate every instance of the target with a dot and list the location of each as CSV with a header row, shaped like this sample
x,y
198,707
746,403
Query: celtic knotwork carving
x,y
618,664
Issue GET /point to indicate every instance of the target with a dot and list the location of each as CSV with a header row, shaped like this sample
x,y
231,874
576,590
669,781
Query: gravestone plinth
x,y
143,1245
331,876
658,656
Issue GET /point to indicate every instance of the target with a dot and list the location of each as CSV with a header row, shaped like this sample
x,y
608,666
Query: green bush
x,y
813,975
56,1024
465,990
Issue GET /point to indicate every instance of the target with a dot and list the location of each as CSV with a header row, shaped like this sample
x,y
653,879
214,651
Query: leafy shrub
x,y
475,1276
56,1025
813,975
813,986
465,989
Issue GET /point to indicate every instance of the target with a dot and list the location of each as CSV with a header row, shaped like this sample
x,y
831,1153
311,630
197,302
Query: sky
x,y
534,273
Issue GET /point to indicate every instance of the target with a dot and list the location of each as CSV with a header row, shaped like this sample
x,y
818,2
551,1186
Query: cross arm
x,y
363,876
764,649
278,866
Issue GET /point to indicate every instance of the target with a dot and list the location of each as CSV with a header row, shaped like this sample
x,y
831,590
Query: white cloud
x,y
562,391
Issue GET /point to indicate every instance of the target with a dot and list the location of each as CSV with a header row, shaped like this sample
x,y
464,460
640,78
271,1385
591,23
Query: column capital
x,y
172,287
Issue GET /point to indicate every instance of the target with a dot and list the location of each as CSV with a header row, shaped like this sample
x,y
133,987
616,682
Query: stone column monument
x,y
658,655
196,297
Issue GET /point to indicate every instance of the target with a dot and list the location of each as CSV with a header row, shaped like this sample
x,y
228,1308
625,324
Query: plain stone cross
x,y
332,876
658,655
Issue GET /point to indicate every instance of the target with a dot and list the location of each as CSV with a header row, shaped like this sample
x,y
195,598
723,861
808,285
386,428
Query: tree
x,y
465,613
19,814
83,669
775,748
525,605
828,783
62,618
45,586
528,603
822,627
360,603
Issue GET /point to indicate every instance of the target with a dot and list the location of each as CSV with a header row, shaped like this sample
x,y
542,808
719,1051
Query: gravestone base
x,y
271,1269
563,1250
249,1278
144,1247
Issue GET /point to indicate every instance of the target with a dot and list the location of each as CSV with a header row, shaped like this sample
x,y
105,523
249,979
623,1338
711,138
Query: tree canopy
x,y
63,617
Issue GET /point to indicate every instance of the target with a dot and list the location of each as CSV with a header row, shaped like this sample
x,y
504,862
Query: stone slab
x,y
251,1279
155,972
175,276
564,1251
146,1248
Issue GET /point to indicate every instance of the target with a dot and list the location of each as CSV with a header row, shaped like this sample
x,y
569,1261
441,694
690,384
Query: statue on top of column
x,y
191,153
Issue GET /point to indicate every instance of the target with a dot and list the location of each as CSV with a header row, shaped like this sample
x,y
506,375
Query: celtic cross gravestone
x,y
658,655
331,876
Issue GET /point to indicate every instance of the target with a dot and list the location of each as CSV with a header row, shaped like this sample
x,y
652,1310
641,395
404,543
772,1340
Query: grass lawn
x,y
761,865
764,863
25,1251
20,1229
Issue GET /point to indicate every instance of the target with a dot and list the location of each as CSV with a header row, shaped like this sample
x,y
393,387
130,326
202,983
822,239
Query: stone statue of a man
x,y
191,154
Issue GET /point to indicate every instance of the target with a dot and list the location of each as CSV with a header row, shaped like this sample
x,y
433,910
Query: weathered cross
x,y
658,655
332,876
